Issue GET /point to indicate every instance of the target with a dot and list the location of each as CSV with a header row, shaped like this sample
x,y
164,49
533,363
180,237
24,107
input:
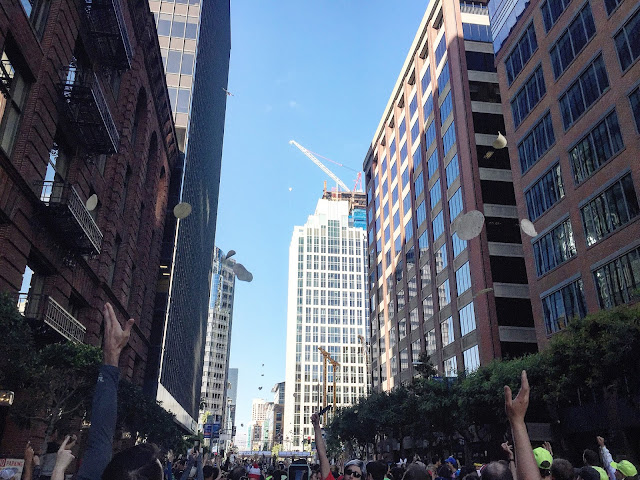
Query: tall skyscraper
x,y
232,400
196,38
430,161
215,374
327,308
568,75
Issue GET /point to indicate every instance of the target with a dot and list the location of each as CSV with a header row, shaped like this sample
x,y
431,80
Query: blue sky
x,y
319,72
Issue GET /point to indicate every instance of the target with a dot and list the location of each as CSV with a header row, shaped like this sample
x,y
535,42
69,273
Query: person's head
x,y
416,472
590,458
496,471
587,473
453,462
237,473
141,462
437,461
376,470
210,473
444,471
561,469
354,470
624,469
544,460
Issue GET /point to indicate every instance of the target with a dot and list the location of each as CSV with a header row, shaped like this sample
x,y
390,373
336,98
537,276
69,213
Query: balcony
x,y
47,316
69,218
109,33
86,112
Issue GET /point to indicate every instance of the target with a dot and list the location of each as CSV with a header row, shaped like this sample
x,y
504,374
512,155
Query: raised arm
x,y
516,409
606,458
105,398
508,449
321,449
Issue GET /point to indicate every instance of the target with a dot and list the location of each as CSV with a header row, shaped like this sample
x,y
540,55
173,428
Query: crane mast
x,y
322,166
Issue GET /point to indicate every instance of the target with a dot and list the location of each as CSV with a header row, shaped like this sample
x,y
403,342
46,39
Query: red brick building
x,y
569,79
87,149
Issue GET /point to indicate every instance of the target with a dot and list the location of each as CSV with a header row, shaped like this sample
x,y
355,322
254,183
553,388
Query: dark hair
x,y
139,462
416,472
435,459
444,471
210,472
497,471
562,469
591,458
377,470
237,473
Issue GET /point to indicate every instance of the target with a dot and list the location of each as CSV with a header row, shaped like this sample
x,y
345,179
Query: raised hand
x,y
600,441
547,447
508,449
516,408
115,337
63,458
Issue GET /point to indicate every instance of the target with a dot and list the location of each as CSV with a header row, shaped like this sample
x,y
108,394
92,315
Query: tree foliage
x,y
599,352
17,353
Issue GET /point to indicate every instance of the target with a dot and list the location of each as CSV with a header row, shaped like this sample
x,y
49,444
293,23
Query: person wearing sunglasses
x,y
353,469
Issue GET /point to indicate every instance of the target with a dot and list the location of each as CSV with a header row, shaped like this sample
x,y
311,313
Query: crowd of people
x,y
146,462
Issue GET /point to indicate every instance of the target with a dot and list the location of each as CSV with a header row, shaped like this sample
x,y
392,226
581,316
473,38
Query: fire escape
x,y
108,32
68,217
49,318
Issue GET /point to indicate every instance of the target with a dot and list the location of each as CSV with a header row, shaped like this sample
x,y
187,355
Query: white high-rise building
x,y
217,348
327,308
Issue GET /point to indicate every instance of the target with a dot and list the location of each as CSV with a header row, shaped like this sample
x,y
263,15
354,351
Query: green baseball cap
x,y
543,458
625,467
603,474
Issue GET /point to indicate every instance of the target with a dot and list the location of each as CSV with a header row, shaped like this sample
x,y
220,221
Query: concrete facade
x,y
431,160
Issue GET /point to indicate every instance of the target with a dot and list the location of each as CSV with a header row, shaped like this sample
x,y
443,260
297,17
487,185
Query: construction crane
x,y
334,364
322,166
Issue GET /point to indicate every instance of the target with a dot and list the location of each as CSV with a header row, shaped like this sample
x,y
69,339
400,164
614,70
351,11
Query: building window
x,y
402,128
563,305
545,193
596,148
517,59
446,108
418,185
406,203
413,105
610,210
467,319
435,194
426,79
617,281
412,287
446,331
634,98
452,171
451,367
421,214
12,101
480,61
471,359
423,243
443,78
427,108
572,41
413,319
441,48
536,143
476,33
415,351
463,279
430,134
430,338
444,294
432,163
392,150
584,92
38,12
628,42
554,248
455,205
441,258
402,328
438,226
427,307
404,359
449,138
415,132
528,96
551,11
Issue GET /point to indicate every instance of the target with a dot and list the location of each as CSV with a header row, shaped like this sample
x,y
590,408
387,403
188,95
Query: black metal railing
x,y
109,33
42,308
86,111
64,199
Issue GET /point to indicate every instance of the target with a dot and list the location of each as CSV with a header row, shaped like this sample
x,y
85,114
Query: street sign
x,y
215,432
208,429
